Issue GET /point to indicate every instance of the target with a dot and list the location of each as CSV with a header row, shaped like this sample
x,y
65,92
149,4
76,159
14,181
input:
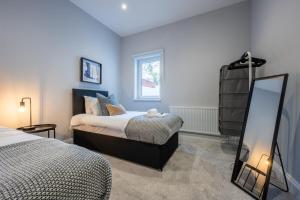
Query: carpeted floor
x,y
199,169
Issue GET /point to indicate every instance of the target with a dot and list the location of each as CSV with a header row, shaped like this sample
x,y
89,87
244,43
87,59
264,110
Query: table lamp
x,y
22,109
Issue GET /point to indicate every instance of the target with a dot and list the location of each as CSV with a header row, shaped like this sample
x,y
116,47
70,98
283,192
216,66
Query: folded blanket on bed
x,y
156,130
51,169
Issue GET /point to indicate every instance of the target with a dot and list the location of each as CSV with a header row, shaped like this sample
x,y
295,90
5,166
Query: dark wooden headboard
x,y
78,99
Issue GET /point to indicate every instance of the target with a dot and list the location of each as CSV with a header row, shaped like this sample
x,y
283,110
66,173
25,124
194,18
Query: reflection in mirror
x,y
254,157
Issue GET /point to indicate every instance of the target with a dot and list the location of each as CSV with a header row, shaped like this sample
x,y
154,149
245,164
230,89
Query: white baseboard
x,y
198,133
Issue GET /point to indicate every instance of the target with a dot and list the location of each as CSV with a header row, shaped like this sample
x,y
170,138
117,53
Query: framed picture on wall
x,y
91,71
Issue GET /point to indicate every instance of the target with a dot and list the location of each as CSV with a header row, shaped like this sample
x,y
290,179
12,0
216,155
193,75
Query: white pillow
x,y
92,106
123,108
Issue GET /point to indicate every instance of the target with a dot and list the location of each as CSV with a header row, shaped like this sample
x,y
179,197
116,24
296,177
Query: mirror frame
x,y
238,163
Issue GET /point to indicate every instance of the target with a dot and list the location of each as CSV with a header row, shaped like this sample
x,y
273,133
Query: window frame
x,y
137,87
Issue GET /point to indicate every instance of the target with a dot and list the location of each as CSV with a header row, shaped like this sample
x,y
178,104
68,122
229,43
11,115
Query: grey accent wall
x,y
195,49
275,36
41,43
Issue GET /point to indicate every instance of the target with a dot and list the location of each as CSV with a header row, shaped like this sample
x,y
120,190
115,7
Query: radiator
x,y
198,119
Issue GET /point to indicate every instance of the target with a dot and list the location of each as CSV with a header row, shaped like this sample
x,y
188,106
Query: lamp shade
x,y
22,106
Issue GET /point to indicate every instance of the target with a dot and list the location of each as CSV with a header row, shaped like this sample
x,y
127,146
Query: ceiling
x,y
143,15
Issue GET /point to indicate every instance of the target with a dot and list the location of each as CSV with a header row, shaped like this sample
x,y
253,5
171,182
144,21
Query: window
x,y
148,73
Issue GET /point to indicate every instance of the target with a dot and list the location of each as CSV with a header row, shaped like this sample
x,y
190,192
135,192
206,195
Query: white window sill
x,y
145,99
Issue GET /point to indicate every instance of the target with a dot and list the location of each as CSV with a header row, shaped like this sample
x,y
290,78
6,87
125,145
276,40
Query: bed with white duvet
x,y
117,122
131,125
138,137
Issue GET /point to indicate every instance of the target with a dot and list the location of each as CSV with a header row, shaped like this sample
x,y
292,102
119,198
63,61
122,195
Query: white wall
x,y
195,50
275,36
41,43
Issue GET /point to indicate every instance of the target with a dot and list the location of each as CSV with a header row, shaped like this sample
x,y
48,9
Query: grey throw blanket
x,y
51,169
156,130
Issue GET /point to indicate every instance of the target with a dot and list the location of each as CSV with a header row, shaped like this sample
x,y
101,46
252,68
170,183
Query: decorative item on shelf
x,y
22,108
91,71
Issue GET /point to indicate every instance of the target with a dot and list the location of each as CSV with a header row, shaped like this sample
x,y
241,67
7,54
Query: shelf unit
x,y
233,97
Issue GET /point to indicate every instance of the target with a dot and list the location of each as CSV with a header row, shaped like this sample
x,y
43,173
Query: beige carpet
x,y
199,169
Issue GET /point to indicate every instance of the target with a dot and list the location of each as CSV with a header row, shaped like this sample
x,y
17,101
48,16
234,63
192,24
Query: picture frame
x,y
241,165
90,71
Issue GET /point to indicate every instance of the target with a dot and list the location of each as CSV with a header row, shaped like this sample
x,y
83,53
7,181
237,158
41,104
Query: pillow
x,y
123,107
115,109
103,101
92,106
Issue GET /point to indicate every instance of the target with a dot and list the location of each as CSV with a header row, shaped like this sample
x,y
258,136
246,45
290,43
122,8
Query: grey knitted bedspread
x,y
155,130
51,169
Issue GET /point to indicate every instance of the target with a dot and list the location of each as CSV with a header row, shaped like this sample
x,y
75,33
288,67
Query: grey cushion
x,y
103,100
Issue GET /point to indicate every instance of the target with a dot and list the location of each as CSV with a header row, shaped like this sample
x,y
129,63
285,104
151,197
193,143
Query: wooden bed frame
x,y
151,155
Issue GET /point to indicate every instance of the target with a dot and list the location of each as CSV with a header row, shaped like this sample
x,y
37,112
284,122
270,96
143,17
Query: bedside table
x,y
40,128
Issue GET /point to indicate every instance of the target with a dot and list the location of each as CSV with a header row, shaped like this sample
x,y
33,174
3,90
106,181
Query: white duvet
x,y
10,136
118,122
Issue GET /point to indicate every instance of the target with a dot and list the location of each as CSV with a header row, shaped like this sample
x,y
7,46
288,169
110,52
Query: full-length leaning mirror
x,y
258,143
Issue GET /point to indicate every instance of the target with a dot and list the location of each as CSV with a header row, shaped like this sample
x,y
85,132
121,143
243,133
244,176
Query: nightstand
x,y
40,128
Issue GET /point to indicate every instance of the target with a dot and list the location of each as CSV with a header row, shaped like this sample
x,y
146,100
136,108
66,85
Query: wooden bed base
x,y
151,155
147,154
